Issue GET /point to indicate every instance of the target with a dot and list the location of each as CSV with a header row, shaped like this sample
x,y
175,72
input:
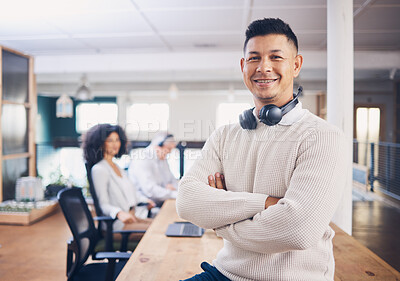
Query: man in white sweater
x,y
279,174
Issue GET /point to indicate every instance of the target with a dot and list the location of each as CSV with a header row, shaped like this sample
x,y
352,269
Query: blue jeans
x,y
210,274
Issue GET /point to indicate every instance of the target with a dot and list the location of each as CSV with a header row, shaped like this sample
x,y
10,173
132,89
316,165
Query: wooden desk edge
x,y
339,232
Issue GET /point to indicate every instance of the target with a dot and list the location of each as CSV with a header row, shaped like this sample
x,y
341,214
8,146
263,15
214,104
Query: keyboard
x,y
184,229
189,229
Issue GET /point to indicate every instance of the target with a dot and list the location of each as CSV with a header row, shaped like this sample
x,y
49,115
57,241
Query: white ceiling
x,y
159,41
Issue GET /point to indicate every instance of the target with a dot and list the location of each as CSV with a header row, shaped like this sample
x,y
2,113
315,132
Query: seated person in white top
x,y
151,173
116,193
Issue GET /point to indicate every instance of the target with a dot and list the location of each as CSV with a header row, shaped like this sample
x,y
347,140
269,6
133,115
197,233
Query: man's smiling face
x,y
269,67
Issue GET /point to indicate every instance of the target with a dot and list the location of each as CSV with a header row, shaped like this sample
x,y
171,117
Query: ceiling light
x,y
83,92
64,107
173,91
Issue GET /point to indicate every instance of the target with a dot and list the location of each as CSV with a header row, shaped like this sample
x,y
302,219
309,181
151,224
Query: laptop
x,y
184,229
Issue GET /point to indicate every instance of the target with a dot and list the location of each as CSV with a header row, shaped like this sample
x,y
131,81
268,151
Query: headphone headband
x,y
269,114
161,143
292,104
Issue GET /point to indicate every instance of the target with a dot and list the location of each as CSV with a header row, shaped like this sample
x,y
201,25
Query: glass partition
x,y
14,120
15,77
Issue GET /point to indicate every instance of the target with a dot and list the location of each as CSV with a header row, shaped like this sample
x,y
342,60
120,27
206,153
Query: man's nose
x,y
264,65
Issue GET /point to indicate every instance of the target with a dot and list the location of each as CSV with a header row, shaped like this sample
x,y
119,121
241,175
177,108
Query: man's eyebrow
x,y
271,51
253,53
276,51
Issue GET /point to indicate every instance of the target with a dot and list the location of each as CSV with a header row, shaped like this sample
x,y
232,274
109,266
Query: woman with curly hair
x,y
115,192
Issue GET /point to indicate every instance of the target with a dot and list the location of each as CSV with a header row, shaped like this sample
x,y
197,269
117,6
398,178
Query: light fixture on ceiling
x,y
64,107
83,92
173,91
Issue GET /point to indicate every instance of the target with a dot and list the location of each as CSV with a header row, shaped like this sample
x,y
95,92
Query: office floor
x,y
376,224
36,252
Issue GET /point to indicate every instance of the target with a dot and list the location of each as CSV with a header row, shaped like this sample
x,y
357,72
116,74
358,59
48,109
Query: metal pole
x,y
388,168
372,168
181,146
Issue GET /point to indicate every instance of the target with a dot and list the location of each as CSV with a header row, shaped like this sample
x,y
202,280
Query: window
x,y
143,120
90,114
368,124
228,113
367,131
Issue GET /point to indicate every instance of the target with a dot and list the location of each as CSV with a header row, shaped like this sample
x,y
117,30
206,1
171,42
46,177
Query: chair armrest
x,y
112,255
124,232
125,237
143,204
103,218
72,252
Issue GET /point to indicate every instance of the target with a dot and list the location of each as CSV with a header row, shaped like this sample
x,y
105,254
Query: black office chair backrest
x,y
92,190
80,222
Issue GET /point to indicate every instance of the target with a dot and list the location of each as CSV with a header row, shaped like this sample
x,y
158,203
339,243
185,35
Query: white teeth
x,y
265,81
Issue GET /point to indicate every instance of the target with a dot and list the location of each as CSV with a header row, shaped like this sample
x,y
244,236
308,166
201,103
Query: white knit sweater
x,y
302,159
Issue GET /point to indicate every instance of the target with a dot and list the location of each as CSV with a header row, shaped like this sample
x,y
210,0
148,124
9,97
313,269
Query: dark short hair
x,y
93,142
267,26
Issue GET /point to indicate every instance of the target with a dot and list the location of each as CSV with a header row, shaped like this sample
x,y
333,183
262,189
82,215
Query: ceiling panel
x,y
32,46
277,3
309,19
91,6
199,20
71,27
49,9
203,42
386,2
374,18
185,4
11,28
358,3
111,22
129,42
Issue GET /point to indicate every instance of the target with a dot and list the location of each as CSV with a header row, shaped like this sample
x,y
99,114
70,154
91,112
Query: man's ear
x,y
242,64
298,62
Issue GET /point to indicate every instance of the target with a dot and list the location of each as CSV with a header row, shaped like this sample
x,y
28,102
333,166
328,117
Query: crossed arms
x,y
257,222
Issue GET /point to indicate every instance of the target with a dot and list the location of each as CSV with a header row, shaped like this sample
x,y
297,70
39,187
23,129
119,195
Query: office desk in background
x,y
159,258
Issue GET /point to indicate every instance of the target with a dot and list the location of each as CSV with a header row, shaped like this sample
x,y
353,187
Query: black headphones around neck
x,y
161,143
270,114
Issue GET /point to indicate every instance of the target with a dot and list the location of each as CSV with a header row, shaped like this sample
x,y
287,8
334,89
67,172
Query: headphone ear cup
x,y
247,120
270,115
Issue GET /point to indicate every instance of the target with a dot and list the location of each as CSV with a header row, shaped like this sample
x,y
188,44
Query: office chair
x,y
109,221
85,238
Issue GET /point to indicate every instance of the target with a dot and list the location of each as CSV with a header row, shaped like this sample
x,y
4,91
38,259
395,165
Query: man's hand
x,y
150,204
219,181
271,201
126,217
170,187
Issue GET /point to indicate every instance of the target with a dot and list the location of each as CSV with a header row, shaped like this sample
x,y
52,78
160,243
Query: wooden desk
x,y
159,258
